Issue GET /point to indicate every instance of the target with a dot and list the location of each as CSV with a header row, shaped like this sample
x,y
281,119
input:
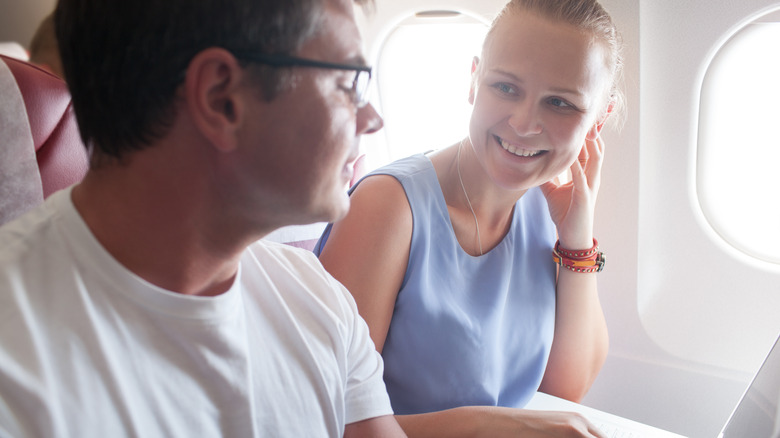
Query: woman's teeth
x,y
514,150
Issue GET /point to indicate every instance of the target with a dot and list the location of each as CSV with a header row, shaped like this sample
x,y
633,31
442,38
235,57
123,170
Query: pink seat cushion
x,y
62,157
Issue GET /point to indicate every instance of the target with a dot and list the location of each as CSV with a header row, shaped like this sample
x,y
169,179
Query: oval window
x,y
738,156
423,77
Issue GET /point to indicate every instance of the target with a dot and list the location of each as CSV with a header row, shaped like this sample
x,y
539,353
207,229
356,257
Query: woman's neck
x,y
480,211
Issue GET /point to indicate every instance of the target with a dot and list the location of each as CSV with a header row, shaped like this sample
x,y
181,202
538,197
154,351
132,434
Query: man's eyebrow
x,y
358,60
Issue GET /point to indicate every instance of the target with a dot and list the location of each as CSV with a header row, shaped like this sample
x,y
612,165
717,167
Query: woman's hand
x,y
547,424
572,204
498,422
580,342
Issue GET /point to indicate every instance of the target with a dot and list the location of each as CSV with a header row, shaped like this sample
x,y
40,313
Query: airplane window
x,y
423,77
739,141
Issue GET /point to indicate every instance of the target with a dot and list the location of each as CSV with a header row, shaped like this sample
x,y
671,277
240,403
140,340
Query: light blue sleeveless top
x,y
468,330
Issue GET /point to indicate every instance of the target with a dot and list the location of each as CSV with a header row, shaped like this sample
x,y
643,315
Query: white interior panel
x,y
699,298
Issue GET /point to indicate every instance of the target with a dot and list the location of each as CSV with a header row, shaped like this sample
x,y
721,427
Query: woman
x,y
448,255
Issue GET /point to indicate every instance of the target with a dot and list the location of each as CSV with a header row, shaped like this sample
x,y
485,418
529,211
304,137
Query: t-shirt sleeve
x,y
360,366
366,395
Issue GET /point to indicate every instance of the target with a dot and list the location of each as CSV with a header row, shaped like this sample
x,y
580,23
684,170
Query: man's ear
x,y
595,130
213,98
474,68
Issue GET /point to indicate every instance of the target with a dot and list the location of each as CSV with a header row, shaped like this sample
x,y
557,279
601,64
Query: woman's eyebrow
x,y
515,78
561,90
510,75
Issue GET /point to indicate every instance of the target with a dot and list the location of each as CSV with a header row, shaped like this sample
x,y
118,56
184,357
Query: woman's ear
x,y
212,96
595,130
474,69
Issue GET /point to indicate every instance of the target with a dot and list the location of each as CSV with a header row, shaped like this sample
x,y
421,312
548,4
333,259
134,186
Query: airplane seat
x,y
14,50
41,150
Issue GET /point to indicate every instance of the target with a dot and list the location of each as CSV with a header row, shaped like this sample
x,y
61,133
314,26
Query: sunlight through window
x,y
423,77
739,142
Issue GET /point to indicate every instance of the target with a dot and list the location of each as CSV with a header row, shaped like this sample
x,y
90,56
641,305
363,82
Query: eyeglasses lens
x,y
362,81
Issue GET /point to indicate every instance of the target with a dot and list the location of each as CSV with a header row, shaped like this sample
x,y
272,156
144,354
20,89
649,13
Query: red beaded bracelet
x,y
585,261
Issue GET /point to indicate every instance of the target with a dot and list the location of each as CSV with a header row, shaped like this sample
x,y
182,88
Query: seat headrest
x,y
14,50
20,181
60,154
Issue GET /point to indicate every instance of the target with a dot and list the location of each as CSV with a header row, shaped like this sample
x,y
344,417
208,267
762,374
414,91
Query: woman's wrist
x,y
580,237
578,243
583,260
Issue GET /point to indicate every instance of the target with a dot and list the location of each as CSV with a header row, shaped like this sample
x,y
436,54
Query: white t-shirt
x,y
88,349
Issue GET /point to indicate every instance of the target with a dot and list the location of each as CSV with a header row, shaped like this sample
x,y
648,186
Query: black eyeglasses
x,y
359,84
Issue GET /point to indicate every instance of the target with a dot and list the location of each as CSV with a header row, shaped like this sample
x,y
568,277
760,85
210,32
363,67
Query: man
x,y
140,302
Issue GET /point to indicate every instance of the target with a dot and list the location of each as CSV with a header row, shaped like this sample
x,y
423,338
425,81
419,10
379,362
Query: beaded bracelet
x,y
585,261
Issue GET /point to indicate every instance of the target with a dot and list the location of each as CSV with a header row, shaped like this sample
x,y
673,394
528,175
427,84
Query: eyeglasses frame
x,y
281,60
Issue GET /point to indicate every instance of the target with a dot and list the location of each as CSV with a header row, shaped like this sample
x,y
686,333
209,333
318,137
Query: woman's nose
x,y
525,118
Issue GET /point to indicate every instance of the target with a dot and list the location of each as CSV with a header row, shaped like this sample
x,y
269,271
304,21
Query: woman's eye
x,y
559,103
504,88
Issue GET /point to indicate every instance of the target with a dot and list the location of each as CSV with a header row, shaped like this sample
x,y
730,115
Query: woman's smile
x,y
518,150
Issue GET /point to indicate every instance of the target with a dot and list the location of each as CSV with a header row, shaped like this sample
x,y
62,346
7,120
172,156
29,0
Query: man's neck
x,y
161,225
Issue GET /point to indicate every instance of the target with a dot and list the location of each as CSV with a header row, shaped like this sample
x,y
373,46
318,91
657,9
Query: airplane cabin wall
x,y
708,312
20,19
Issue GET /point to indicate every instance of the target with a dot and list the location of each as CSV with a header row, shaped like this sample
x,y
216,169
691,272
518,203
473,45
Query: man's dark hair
x,y
124,59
